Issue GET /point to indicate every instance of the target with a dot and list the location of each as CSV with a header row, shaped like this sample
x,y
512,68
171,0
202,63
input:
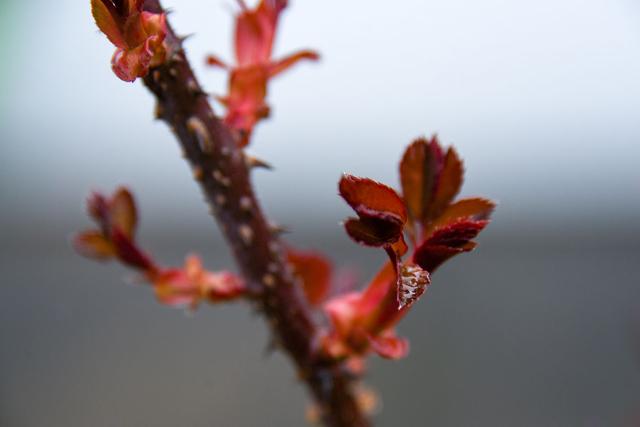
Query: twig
x,y
222,171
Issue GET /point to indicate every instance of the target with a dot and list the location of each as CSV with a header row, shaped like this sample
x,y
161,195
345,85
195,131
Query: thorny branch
x,y
330,357
223,172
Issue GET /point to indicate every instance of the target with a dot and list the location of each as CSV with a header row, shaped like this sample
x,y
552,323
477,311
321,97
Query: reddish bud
x,y
192,284
116,218
137,34
255,31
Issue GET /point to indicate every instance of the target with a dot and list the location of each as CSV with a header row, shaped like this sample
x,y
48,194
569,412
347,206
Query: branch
x,y
223,173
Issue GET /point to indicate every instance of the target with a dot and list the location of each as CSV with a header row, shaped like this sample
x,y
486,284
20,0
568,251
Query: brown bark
x,y
221,169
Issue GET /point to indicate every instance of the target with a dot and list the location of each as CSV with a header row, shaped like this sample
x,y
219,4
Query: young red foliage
x,y
382,217
117,218
360,321
447,241
364,321
315,271
430,181
191,284
439,229
138,35
381,212
255,31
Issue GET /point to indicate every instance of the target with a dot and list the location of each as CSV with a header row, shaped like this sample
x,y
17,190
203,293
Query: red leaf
x,y
245,103
122,212
371,198
457,234
281,65
343,312
430,257
472,208
374,232
315,272
92,244
447,184
109,21
389,346
420,169
98,208
378,288
446,242
380,210
255,31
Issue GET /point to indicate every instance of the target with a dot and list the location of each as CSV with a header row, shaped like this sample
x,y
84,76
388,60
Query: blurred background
x,y
539,327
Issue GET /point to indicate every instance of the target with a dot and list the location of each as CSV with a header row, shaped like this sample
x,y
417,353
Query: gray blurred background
x,y
539,327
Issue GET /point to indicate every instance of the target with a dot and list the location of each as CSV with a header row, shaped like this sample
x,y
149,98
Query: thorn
x,y
194,89
278,230
158,111
186,37
254,162
177,58
198,173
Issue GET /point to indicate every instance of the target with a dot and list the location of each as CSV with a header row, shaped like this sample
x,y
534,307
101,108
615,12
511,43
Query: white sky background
x,y
542,99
